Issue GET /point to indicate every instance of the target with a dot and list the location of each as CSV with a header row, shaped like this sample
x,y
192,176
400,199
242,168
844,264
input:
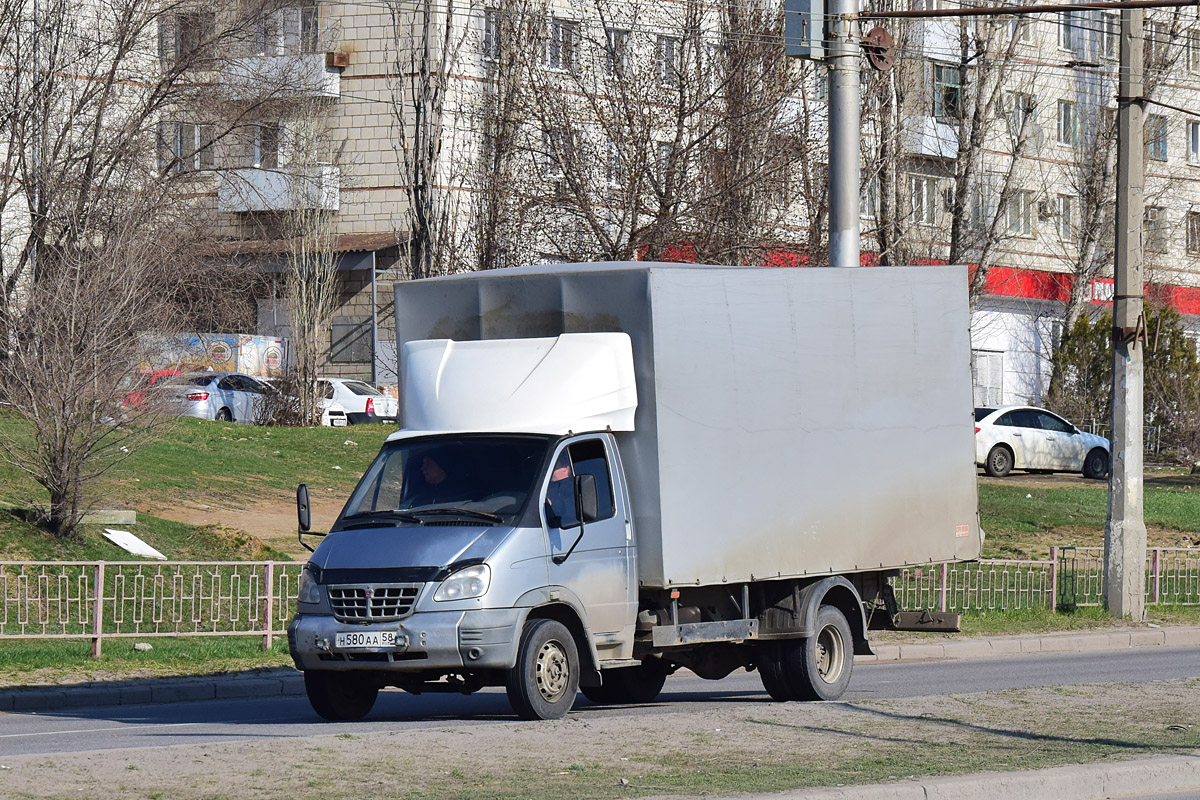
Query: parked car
x,y
1022,437
360,401
223,396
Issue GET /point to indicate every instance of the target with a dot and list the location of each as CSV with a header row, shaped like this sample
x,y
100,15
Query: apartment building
x,y
523,102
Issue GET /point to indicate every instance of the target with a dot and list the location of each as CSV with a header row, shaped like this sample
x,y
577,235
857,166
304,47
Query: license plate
x,y
337,422
349,640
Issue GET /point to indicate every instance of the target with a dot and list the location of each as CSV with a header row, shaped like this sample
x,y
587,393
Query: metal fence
x,y
99,600
1071,577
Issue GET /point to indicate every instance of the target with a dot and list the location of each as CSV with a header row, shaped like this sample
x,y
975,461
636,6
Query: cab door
x,y
598,569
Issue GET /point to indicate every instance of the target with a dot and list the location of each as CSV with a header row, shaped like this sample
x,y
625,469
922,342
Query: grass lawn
x,y
1023,521
197,462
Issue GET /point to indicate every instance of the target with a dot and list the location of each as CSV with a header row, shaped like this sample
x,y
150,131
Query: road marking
x,y
99,730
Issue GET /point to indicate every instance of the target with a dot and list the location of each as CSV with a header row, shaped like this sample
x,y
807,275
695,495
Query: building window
x,y
289,30
1193,232
868,201
616,166
1066,217
265,153
666,53
923,198
1066,122
1022,29
350,341
1193,141
947,91
1154,229
491,34
1193,50
1068,31
1157,37
714,69
1156,137
560,45
185,147
556,152
1110,33
186,36
1020,213
1022,111
616,51
987,374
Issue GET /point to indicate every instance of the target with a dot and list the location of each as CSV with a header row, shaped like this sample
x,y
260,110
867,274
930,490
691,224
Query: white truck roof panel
x,y
572,382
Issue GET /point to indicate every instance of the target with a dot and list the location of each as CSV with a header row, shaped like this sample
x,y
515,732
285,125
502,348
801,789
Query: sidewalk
x,y
286,681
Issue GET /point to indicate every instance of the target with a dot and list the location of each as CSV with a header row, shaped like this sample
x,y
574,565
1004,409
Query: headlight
x,y
309,591
464,584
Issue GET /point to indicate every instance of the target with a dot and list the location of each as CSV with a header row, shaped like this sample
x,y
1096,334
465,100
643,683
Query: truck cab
x,y
458,547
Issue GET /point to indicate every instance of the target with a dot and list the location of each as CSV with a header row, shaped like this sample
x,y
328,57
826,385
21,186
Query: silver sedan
x,y
222,396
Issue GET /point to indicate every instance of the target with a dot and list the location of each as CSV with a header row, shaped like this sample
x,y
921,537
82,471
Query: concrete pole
x,y
845,108
1125,531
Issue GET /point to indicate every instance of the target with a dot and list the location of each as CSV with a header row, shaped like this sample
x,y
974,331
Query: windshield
x,y
479,475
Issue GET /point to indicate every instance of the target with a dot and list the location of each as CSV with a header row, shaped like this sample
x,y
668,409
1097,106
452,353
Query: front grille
x,y
373,602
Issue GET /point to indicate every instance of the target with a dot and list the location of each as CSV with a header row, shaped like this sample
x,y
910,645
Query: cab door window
x,y
581,458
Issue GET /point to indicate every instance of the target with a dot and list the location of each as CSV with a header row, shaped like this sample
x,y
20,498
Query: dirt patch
x,y
726,747
270,518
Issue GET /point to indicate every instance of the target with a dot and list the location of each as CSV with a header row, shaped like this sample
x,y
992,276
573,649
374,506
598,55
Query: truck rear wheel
x,y
338,696
639,684
815,668
545,680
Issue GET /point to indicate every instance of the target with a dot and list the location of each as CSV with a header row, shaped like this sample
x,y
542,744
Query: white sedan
x,y
360,401
1021,437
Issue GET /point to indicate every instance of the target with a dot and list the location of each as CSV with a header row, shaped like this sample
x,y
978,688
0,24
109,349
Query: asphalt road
x,y
78,730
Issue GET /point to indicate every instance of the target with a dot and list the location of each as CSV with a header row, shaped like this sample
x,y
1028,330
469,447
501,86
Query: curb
x,y
288,681
230,686
1048,643
1081,782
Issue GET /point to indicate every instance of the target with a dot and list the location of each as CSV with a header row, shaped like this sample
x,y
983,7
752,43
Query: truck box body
x,y
790,422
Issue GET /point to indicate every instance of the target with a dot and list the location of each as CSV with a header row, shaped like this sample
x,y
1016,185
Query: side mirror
x,y
303,513
585,498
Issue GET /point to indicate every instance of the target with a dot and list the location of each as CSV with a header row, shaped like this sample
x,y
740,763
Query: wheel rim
x,y
831,654
552,671
999,460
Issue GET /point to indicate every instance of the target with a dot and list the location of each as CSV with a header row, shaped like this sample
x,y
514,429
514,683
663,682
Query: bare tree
x,y
430,41
103,161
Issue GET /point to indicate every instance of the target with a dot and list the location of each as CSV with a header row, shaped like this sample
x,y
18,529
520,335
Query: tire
x,y
628,685
224,415
1095,466
999,461
815,668
338,696
545,680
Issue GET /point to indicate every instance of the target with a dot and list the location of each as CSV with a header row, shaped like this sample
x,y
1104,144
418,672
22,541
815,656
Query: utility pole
x,y
845,132
1125,530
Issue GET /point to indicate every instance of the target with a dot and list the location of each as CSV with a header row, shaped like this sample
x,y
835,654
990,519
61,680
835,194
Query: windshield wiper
x,y
458,512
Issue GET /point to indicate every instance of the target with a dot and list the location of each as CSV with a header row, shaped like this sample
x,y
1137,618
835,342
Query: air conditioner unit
x,y
1046,210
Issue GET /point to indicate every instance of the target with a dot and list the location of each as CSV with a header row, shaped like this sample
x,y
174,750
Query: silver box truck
x,y
608,472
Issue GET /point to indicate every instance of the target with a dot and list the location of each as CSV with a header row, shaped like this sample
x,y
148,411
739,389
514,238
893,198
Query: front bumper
x,y
453,641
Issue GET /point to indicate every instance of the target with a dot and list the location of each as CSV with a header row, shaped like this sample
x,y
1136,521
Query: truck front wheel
x,y
815,668
545,680
340,696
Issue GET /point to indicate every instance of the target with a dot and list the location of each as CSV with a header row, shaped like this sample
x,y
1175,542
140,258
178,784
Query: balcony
x,y
284,189
299,75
